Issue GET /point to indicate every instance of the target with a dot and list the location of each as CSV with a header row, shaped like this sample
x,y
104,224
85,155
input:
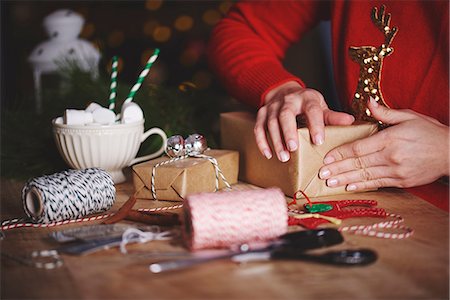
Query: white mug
x,y
109,147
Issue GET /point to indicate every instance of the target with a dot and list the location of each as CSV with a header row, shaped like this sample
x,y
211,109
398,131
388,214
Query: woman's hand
x,y
412,152
278,114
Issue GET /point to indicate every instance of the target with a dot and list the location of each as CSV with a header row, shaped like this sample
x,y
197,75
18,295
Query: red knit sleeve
x,y
247,46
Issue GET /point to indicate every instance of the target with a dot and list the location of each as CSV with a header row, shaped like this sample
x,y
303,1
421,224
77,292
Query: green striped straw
x,y
142,76
113,87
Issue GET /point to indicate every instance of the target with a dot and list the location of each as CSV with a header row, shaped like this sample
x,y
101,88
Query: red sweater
x,y
247,47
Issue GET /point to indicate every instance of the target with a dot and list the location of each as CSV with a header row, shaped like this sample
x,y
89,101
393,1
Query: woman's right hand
x,y
279,113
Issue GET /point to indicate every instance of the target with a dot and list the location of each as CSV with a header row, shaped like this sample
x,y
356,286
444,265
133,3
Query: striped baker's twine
x,y
164,208
22,222
212,160
217,169
373,230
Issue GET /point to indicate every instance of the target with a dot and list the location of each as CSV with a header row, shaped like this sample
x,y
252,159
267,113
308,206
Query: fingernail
x,y
324,174
267,154
284,156
351,187
328,160
373,102
318,139
332,182
292,145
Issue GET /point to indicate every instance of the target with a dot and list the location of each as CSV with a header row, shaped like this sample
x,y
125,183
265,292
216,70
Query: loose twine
x,y
367,230
372,230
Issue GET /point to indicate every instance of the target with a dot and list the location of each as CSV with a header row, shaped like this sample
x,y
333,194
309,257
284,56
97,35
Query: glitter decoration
x,y
370,59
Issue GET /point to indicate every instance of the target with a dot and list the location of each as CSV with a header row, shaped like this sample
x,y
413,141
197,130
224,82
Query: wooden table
x,y
417,267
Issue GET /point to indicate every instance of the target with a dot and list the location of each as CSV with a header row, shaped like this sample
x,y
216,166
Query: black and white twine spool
x,y
68,195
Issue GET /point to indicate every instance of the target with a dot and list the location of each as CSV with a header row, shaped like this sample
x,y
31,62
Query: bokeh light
x,y
150,26
211,17
116,38
153,4
192,53
225,6
88,30
162,34
183,23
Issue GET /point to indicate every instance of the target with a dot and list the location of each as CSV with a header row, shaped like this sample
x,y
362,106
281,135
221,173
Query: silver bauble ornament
x,y
175,146
195,144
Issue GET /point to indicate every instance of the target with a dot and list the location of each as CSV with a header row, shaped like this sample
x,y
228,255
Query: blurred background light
x,y
88,31
211,17
150,26
183,23
153,4
116,38
162,34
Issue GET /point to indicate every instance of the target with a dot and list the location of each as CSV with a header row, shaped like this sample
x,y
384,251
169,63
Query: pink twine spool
x,y
226,219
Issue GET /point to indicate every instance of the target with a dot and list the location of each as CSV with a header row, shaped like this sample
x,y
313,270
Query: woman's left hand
x,y
413,151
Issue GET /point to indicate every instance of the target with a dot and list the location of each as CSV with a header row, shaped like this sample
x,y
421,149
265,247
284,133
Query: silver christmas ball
x,y
195,144
175,146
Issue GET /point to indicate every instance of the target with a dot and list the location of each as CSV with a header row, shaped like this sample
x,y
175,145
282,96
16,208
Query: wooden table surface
x,y
417,267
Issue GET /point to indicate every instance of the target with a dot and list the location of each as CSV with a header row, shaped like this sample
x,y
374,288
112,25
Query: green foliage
x,y
29,150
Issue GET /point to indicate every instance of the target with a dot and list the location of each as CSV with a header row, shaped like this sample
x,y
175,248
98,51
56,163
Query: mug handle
x,y
154,130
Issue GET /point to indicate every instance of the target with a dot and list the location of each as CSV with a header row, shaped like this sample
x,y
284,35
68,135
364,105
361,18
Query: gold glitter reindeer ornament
x,y
370,60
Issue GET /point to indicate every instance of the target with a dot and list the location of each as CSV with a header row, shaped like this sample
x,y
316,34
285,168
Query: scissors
x,y
349,257
288,246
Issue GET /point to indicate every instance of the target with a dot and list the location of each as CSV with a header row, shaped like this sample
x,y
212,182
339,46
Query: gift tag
x,y
317,208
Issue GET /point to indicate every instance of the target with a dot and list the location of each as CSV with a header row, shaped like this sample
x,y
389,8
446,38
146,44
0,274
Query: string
x,y
133,235
371,230
294,199
218,172
68,195
367,230
225,219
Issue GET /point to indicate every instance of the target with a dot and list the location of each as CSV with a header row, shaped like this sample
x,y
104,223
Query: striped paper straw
x,y
113,87
142,76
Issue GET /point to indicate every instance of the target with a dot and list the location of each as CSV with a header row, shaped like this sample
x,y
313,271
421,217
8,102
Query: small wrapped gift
x,y
301,171
179,178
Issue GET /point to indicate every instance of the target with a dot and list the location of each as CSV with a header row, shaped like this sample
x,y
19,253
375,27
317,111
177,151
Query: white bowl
x,y
109,147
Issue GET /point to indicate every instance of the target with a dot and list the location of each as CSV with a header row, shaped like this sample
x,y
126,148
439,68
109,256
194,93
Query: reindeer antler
x,y
382,20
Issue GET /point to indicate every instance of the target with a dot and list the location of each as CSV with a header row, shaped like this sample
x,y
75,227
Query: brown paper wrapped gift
x,y
301,171
176,180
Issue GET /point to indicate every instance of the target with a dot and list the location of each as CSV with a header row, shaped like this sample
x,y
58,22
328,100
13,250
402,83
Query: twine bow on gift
x,y
193,147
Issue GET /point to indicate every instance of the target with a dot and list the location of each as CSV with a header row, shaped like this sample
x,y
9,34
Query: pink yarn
x,y
225,219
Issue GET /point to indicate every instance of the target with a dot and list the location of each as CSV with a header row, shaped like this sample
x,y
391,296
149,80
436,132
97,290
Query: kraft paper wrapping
x,y
301,171
176,180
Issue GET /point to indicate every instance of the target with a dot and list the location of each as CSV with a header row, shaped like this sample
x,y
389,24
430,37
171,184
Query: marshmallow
x,y
77,117
131,112
59,120
104,116
92,106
